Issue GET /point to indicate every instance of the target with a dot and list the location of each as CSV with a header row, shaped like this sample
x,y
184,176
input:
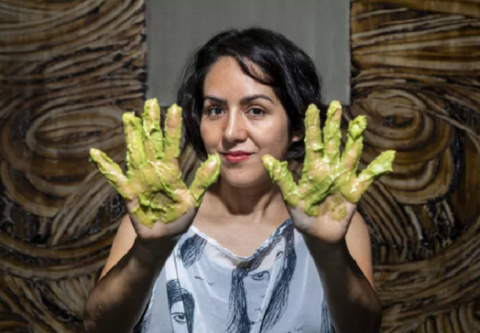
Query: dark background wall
x,y
175,28
69,70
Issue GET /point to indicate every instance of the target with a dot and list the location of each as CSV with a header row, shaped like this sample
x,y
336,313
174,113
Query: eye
x,y
279,255
265,275
214,111
256,112
179,317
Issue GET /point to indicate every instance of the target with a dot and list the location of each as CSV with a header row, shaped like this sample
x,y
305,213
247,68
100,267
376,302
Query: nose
x,y
235,129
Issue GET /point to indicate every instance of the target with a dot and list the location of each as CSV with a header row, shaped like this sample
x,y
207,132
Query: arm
x,y
120,297
322,206
160,207
346,273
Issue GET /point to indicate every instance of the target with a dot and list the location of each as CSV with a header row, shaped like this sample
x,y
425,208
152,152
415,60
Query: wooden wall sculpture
x,y
416,75
68,70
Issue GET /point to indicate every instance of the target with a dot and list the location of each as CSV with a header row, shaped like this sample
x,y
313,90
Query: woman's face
x,y
242,121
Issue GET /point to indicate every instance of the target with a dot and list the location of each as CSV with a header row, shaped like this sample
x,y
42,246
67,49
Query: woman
x,y
250,262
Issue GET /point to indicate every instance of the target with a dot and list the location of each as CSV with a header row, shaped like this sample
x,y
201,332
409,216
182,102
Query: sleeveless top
x,y
204,288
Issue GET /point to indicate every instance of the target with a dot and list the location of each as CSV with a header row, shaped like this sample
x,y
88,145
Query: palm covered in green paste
x,y
153,185
329,186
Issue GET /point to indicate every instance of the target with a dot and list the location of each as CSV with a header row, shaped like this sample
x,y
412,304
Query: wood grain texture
x,y
416,75
68,70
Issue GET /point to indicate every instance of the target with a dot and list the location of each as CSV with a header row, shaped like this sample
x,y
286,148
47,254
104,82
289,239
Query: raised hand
x,y
153,187
329,187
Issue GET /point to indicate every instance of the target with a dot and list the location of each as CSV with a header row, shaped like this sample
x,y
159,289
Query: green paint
x,y
152,130
280,174
326,171
335,206
207,174
154,175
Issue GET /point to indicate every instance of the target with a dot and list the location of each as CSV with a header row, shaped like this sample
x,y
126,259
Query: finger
x,y
111,171
381,165
354,146
279,173
331,133
151,128
173,132
206,175
347,182
313,136
135,139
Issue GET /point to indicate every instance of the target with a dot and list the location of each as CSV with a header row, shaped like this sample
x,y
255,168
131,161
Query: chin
x,y
245,178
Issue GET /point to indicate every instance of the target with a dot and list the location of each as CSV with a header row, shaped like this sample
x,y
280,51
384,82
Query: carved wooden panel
x,y
415,74
68,70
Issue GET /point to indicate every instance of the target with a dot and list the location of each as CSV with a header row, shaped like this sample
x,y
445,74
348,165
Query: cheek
x,y
276,139
208,137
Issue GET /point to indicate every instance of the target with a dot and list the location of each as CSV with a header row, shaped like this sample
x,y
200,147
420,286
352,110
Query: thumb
x,y
279,173
381,165
206,175
111,171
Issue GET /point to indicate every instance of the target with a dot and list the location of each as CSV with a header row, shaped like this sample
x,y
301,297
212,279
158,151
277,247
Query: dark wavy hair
x,y
285,67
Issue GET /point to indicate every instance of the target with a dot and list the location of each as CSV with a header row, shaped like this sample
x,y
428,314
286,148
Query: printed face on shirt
x,y
257,281
179,319
182,307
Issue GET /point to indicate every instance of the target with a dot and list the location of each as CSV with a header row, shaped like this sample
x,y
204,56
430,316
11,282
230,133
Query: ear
x,y
296,137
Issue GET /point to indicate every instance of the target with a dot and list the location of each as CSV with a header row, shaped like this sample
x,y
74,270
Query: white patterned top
x,y
204,288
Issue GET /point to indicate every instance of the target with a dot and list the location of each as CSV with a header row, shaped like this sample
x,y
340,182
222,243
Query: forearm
x,y
120,297
352,302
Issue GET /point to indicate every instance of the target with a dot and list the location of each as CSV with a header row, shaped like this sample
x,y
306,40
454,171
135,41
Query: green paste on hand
x,y
326,171
154,175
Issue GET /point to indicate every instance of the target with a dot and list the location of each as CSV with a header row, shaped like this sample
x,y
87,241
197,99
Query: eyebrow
x,y
243,101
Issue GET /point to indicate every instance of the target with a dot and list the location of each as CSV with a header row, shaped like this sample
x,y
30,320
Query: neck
x,y
225,199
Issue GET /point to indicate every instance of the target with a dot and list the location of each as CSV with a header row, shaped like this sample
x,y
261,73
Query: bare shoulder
x,y
359,246
122,243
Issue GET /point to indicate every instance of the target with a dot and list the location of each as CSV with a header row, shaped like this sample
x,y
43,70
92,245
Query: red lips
x,y
237,156
237,152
